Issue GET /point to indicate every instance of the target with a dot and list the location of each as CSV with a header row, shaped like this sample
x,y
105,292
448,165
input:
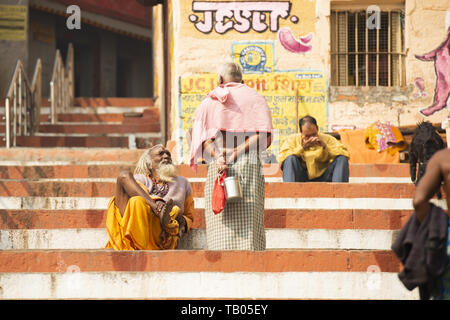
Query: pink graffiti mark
x,y
441,58
240,16
306,39
420,84
291,44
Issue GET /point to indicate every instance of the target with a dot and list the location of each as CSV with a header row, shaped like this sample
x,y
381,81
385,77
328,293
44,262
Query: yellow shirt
x,y
317,159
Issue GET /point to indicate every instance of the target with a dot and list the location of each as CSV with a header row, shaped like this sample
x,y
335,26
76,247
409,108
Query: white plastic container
x,y
233,191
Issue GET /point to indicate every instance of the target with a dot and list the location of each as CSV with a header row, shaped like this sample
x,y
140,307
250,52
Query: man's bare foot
x,y
164,214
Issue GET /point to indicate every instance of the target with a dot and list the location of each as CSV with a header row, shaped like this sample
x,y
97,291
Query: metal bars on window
x,y
362,56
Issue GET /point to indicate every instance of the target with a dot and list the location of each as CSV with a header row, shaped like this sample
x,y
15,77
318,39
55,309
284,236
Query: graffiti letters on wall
x,y
239,16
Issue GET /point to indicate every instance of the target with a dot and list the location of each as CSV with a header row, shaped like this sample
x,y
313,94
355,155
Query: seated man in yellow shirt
x,y
151,209
313,156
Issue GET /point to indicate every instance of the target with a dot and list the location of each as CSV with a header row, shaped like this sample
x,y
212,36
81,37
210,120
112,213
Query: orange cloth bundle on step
x,y
359,153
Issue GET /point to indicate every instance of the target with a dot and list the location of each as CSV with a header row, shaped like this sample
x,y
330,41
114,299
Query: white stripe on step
x,y
96,238
84,203
352,179
192,285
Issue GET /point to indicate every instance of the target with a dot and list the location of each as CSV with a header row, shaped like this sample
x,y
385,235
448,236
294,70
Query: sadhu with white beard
x,y
152,208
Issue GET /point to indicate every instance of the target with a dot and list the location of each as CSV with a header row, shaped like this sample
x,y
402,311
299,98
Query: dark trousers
x,y
294,171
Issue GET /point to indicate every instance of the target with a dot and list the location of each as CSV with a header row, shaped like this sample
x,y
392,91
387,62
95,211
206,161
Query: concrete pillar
x,y
108,64
42,45
13,42
159,79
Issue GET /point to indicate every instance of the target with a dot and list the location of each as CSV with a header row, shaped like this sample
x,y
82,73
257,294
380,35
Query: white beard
x,y
166,172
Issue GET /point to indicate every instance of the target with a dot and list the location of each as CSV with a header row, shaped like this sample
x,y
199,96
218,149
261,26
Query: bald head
x,y
229,72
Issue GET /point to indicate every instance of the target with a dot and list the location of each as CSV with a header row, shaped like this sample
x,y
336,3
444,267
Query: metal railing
x,y
62,84
22,104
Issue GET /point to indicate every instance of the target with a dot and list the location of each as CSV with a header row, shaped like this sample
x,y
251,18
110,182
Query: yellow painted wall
x,y
198,55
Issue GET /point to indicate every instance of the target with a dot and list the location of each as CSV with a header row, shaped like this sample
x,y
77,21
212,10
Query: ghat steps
x,y
97,123
324,240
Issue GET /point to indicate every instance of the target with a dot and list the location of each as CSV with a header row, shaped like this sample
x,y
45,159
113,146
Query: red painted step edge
x,y
273,218
25,188
198,261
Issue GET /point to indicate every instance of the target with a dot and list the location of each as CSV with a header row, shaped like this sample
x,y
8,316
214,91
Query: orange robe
x,y
139,229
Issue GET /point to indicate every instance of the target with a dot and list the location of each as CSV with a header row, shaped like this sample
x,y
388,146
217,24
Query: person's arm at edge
x,y
209,146
426,188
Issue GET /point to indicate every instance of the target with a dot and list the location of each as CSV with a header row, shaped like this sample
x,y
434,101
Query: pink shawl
x,y
231,107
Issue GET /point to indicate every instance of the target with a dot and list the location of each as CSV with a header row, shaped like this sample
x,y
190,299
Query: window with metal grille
x,y
362,56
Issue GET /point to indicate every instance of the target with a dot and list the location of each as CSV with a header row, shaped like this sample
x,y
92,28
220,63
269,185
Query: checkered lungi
x,y
240,226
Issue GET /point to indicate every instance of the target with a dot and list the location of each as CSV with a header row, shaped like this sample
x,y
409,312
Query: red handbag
x,y
218,195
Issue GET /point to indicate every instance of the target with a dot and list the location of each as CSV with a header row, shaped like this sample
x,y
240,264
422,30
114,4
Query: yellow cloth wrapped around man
x,y
317,159
139,229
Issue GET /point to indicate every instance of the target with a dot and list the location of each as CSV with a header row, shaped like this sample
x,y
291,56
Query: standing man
x,y
232,126
151,209
436,173
313,156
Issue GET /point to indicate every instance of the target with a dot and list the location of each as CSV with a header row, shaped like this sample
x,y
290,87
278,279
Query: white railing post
x,y
7,124
25,110
52,102
62,84
36,98
19,114
14,115
21,95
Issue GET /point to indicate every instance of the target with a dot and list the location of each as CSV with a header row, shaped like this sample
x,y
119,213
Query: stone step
x,y
291,190
104,110
96,128
96,238
98,102
82,117
324,240
41,176
71,155
101,203
273,218
113,102
204,285
290,260
70,141
81,156
271,274
117,115
34,170
86,141
38,165
90,128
